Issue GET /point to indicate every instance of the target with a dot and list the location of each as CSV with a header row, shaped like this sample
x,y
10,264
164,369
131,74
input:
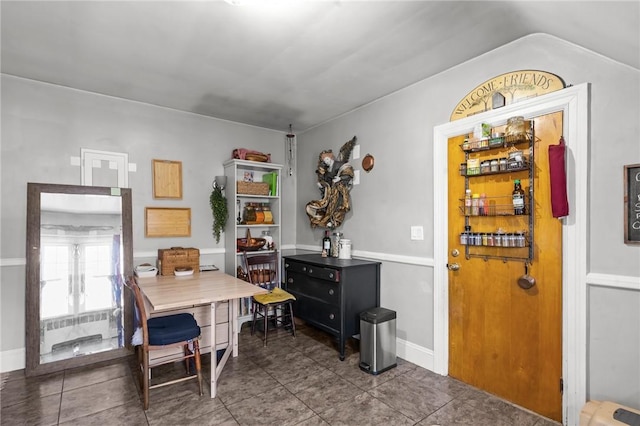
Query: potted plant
x,y
219,210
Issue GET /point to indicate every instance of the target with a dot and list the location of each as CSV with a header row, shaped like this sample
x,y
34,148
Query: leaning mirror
x,y
79,252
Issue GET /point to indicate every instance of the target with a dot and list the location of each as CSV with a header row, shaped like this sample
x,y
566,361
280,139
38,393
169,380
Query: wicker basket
x,y
250,244
177,257
252,188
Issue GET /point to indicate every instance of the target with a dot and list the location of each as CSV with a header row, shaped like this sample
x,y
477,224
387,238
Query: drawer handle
x,y
304,269
331,275
290,280
331,291
331,316
310,271
286,265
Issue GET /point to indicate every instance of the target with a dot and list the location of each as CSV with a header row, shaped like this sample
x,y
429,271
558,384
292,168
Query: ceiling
x,y
275,63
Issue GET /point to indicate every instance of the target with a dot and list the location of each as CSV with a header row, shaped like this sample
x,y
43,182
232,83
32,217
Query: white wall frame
x,y
90,158
574,103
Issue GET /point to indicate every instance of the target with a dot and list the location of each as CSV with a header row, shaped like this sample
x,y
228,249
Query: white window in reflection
x,y
98,275
76,278
55,281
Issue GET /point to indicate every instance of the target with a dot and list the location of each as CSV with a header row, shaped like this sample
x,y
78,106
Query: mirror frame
x,y
32,308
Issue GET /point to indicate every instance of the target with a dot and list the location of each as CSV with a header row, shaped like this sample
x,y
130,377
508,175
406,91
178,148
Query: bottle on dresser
x,y
326,244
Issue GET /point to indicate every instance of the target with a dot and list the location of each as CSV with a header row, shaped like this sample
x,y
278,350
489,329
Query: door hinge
x,y
561,385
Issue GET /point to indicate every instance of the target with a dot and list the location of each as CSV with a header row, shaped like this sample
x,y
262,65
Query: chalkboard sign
x,y
632,204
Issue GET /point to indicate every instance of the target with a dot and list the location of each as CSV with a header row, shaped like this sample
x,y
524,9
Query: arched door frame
x,y
574,103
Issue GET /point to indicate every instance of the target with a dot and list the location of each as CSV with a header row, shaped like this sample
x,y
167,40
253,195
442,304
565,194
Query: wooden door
x,y
502,338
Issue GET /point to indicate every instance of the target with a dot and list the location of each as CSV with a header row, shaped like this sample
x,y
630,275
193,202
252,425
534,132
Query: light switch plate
x,y
417,233
356,152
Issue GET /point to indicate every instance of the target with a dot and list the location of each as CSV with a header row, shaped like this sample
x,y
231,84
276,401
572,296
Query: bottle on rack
x,y
467,203
326,244
475,205
482,205
517,197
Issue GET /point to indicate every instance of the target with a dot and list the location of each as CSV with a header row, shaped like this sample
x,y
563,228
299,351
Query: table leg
x,y
233,318
214,353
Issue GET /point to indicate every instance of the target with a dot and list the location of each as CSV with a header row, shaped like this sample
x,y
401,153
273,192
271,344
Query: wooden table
x,y
168,292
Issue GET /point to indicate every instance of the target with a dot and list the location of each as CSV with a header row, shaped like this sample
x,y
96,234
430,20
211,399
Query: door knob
x,y
453,266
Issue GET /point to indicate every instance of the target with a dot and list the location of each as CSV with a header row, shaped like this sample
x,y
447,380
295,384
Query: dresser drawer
x,y
318,313
319,272
306,286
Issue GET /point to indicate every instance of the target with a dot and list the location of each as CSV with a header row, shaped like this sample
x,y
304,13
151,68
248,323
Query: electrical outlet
x,y
417,233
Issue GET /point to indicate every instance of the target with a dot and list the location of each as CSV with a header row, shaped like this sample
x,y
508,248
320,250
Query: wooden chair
x,y
178,330
275,306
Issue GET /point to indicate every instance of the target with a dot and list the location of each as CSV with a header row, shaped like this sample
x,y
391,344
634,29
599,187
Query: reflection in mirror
x,y
80,270
83,236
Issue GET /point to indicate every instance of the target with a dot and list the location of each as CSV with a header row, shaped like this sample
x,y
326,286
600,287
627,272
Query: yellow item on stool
x,y
604,413
276,295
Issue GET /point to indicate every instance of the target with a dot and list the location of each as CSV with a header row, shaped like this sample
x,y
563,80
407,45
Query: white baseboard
x,y
15,359
415,354
12,360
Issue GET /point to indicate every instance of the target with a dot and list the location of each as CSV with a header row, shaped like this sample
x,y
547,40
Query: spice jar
x,y
463,169
335,244
473,166
485,166
249,214
266,234
515,126
259,213
515,160
502,164
494,165
463,238
268,216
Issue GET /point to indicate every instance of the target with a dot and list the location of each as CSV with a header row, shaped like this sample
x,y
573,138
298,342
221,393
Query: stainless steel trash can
x,y
377,340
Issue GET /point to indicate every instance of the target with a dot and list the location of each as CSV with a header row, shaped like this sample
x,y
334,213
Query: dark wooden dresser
x,y
331,293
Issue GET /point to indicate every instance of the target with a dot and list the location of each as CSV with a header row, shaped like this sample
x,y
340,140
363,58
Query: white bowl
x,y
146,271
182,272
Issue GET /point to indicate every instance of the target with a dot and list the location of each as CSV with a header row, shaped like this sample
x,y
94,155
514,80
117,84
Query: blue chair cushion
x,y
172,329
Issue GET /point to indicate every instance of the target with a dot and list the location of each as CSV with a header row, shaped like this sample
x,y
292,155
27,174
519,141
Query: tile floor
x,y
297,381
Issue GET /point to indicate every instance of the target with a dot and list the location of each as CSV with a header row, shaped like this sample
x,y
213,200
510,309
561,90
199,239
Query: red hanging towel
x,y
558,179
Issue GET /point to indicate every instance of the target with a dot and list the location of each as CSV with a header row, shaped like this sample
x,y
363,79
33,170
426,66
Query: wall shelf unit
x,y
238,172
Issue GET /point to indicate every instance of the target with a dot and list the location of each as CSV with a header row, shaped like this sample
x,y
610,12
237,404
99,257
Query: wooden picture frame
x,y
167,179
632,204
167,222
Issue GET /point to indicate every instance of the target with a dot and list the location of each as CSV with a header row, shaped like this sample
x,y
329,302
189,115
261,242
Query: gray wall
x,y
43,126
398,193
